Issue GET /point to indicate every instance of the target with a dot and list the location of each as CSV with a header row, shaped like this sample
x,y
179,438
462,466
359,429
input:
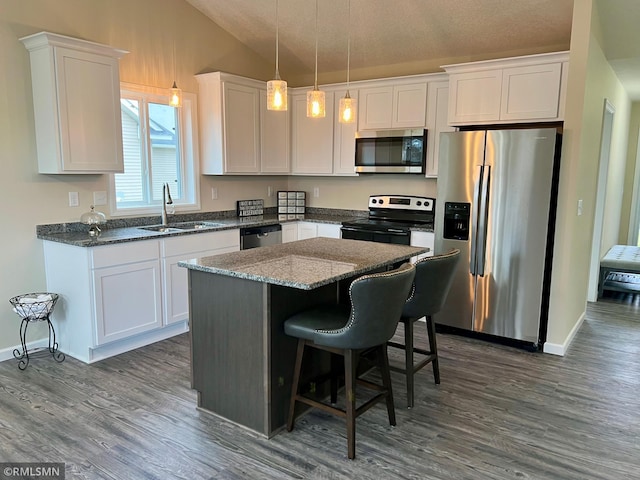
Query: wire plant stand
x,y
35,307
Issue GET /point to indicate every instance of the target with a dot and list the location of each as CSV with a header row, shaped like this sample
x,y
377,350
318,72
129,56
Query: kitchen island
x,y
241,359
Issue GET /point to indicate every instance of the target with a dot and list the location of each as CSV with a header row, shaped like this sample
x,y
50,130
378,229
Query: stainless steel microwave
x,y
391,151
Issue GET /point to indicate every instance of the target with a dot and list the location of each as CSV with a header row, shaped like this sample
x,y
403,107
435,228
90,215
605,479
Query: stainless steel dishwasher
x,y
252,237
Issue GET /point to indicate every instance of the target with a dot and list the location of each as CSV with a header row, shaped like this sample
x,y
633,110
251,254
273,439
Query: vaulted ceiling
x,y
417,36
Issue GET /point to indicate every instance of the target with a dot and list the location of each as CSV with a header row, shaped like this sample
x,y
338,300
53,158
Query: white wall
x,y
590,81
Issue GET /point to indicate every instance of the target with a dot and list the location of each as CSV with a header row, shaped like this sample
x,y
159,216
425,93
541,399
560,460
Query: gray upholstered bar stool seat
x,y
376,304
433,279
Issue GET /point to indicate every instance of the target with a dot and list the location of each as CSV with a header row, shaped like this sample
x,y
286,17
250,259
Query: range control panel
x,y
402,202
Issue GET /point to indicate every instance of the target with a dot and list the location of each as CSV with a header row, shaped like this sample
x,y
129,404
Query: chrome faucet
x,y
166,200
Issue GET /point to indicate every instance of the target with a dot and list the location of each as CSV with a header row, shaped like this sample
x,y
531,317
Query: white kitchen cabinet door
x,y
307,230
475,96
375,108
344,139
312,142
274,139
176,279
437,122
409,105
76,102
531,92
241,128
328,230
128,300
289,232
423,239
392,106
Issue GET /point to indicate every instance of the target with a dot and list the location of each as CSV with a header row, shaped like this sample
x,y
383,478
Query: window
x,y
160,146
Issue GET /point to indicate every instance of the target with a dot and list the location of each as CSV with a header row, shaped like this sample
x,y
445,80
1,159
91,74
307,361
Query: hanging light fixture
x,y
315,98
277,88
175,94
347,109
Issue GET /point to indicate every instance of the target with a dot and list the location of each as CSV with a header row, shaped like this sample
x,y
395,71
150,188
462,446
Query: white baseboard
x,y
7,353
561,349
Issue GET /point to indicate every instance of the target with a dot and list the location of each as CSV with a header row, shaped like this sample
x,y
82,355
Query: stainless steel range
x,y
391,218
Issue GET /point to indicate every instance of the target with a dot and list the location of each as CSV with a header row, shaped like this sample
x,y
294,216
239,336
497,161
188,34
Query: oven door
x,y
391,235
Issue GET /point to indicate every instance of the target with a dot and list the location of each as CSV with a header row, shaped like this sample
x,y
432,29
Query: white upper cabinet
x,y
344,138
437,122
392,106
239,136
312,138
531,92
519,89
274,139
76,103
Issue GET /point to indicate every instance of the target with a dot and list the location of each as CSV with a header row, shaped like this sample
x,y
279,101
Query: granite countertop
x,y
305,264
129,230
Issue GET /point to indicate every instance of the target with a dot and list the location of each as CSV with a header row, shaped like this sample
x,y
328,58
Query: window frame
x,y
187,144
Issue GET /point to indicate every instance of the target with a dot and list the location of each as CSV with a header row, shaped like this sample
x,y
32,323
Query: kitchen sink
x,y
181,226
194,225
161,228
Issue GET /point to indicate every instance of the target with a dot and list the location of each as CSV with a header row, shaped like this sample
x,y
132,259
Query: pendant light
x,y
347,109
277,88
175,95
315,98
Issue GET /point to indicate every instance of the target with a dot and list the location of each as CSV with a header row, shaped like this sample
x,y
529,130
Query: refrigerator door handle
x,y
474,220
483,220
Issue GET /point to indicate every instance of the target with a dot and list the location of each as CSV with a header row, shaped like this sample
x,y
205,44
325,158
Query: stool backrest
x,y
376,304
433,279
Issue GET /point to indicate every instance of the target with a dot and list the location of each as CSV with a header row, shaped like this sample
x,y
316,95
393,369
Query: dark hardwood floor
x,y
499,413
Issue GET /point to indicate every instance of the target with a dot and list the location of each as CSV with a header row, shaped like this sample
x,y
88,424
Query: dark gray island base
x,y
241,359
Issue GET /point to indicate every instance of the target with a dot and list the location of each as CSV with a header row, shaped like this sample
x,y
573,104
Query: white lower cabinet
x,y
313,230
175,279
127,300
423,239
115,298
289,232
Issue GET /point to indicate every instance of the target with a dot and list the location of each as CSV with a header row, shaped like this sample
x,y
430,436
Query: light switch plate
x,y
74,200
99,198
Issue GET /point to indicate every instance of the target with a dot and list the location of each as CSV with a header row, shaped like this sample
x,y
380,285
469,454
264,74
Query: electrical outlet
x,y
316,192
269,191
74,200
214,193
579,207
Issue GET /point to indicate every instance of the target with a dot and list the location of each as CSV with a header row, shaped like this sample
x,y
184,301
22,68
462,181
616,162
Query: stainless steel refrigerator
x,y
496,202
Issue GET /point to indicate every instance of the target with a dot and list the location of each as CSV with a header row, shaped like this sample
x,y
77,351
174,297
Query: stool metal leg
x,y
385,373
433,347
350,364
295,384
408,361
24,355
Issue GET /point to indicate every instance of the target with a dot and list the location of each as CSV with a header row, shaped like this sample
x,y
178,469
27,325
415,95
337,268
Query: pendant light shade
x,y
175,94
348,106
315,98
277,88
347,110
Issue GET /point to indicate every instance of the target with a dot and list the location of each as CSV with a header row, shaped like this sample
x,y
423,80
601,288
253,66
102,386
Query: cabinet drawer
x,y
124,253
198,242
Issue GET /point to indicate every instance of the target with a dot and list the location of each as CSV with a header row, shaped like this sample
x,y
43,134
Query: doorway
x,y
598,221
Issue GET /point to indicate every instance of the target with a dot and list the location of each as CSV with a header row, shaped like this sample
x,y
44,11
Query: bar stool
x,y
371,320
433,279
